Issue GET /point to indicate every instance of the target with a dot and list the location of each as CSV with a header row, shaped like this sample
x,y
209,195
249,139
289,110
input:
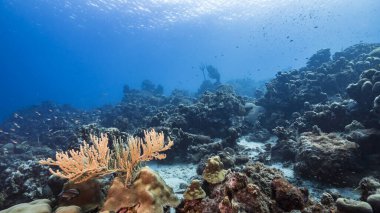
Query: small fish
x,y
13,130
16,125
69,194
17,116
14,142
39,114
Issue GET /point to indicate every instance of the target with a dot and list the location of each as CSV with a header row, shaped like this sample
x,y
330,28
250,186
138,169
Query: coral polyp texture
x,y
148,193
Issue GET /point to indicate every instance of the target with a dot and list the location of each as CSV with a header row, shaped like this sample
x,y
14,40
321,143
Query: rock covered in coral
x,y
237,195
87,195
317,83
287,196
368,186
284,150
193,206
320,57
327,157
352,206
194,191
212,114
374,201
37,206
45,124
256,188
262,176
23,180
366,89
327,199
214,172
328,117
148,193
368,140
134,110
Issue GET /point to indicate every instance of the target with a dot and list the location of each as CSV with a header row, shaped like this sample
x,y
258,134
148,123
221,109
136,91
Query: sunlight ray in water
x,y
165,12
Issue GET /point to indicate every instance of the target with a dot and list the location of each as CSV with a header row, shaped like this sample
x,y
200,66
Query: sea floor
x,y
179,175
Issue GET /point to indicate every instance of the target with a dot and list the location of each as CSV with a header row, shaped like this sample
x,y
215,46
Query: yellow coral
x,y
98,160
214,172
194,191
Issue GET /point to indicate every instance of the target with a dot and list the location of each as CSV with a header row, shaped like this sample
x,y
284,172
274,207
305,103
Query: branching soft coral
x,y
138,150
93,161
80,166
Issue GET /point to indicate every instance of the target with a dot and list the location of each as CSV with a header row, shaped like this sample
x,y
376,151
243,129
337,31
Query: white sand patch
x,y
175,174
251,148
288,171
254,148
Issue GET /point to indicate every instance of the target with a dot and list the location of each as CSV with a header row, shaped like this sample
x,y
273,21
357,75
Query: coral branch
x,y
98,160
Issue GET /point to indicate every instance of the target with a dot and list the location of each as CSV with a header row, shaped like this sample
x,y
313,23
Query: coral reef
x,y
287,196
194,191
214,172
366,92
321,120
23,180
256,188
320,81
148,193
47,124
328,158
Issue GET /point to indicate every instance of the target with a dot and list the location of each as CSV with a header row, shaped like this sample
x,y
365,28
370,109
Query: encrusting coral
x,y
148,193
194,191
99,160
214,172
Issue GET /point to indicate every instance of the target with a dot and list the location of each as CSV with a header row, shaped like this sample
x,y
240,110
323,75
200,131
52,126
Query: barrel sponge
x,y
194,191
148,193
37,206
214,172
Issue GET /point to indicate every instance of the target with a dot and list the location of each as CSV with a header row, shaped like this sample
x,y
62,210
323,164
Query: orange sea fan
x,y
93,161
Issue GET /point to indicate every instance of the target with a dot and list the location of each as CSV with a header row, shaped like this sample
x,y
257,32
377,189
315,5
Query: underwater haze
x,y
182,106
83,52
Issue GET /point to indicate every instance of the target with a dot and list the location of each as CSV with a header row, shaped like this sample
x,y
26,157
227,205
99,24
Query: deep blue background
x,y
82,52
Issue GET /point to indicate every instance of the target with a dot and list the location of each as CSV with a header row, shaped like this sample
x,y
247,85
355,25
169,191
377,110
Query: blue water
x,y
82,52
